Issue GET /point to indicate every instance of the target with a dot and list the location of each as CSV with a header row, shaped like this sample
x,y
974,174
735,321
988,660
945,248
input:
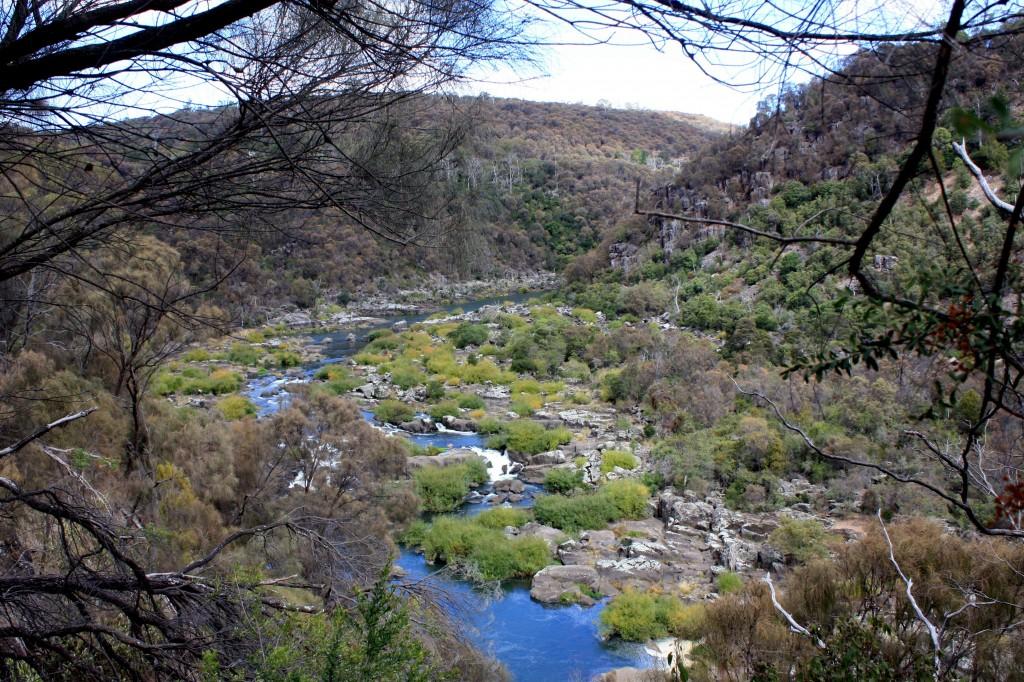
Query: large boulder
x,y
685,512
552,536
533,474
550,457
630,570
418,425
457,424
447,458
509,486
561,584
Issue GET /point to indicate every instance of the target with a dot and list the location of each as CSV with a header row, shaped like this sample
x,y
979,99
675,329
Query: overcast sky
x,y
631,72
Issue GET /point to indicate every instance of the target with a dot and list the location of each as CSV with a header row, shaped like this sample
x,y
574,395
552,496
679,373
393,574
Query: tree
x,y
964,306
140,315
318,90
98,184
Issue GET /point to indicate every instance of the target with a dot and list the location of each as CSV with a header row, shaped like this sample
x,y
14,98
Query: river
x,y
535,642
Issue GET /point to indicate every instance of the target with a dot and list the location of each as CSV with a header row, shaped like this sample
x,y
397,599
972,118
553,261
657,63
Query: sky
x,y
629,72
622,76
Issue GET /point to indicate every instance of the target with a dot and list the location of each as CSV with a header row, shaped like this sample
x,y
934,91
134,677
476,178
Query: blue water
x,y
536,643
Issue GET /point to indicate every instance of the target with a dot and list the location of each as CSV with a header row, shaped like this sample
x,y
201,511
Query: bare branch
x,y
43,430
793,625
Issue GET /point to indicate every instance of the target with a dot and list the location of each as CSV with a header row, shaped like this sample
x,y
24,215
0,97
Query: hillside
x,y
529,186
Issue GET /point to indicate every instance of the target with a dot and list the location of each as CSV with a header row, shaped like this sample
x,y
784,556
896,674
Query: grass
x,y
641,616
236,407
337,379
617,458
478,548
613,501
393,412
197,381
527,437
442,488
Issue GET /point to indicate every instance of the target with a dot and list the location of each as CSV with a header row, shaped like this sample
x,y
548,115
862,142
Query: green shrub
x,y
525,386
236,407
585,315
405,374
337,379
435,390
728,582
393,412
283,359
617,458
244,354
628,497
529,437
576,513
468,334
468,401
561,481
478,548
448,408
490,426
526,405
641,616
800,539
611,502
196,355
500,517
442,488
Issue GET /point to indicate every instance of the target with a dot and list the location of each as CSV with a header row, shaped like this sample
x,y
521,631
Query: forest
x,y
349,377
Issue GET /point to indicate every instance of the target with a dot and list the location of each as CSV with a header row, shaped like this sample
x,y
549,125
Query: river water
x,y
535,642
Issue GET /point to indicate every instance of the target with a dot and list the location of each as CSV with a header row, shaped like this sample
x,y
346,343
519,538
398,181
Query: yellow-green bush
x,y
236,407
617,458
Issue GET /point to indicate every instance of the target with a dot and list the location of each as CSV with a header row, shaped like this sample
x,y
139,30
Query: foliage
x,y
617,458
479,548
728,582
469,334
800,539
236,407
613,501
393,412
442,488
528,437
641,616
563,481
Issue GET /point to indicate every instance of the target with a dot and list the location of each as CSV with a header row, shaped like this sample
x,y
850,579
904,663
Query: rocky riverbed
x,y
685,542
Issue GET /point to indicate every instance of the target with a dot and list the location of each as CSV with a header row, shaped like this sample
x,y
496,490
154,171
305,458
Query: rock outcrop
x,y
566,584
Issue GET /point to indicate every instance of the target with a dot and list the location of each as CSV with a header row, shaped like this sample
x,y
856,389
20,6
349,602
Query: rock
x,y
533,474
552,536
592,546
474,497
456,424
513,498
635,569
769,557
584,419
418,425
447,458
550,457
802,507
494,393
679,511
558,584
654,550
509,486
399,326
